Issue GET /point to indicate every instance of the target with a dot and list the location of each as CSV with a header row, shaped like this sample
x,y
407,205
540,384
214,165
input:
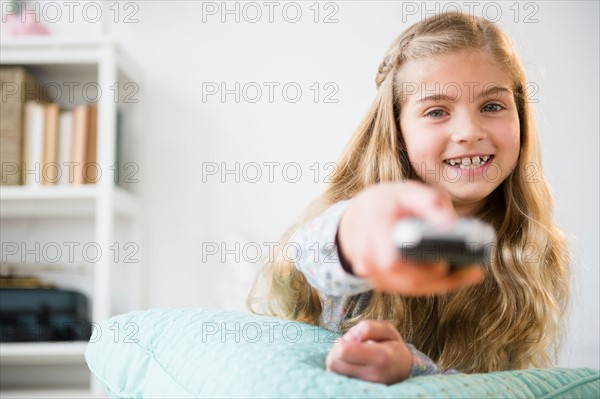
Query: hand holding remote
x,y
365,237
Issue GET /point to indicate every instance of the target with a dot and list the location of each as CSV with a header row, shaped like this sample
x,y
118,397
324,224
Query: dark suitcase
x,y
42,315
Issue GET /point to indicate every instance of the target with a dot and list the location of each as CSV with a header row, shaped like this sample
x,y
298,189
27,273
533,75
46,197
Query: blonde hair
x,y
512,320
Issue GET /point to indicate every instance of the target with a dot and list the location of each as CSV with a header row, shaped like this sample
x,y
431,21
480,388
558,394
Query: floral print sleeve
x,y
318,260
423,365
317,256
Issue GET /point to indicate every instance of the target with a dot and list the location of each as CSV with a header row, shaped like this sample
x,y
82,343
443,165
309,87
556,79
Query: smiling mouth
x,y
469,162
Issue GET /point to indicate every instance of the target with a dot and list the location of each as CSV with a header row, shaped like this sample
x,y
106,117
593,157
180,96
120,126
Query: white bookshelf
x,y
103,208
43,353
62,201
52,394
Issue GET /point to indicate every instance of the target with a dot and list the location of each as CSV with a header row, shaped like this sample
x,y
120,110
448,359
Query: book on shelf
x,y
43,144
17,87
50,156
79,141
33,141
55,153
90,175
65,138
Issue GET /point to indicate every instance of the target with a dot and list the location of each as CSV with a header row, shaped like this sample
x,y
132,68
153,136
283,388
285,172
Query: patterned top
x,y
342,294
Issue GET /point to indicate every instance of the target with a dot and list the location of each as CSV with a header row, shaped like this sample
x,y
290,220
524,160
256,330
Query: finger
x,y
409,279
457,280
453,283
418,273
352,370
354,352
401,283
421,272
426,202
470,274
374,330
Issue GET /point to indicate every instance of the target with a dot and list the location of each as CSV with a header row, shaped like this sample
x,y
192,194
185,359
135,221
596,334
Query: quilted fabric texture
x,y
201,353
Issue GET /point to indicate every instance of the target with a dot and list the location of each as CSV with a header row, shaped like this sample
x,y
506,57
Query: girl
x,y
450,134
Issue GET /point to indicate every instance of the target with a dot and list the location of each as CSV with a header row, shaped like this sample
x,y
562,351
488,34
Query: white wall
x,y
180,52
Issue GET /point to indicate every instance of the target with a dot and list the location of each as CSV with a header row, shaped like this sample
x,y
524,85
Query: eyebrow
x,y
498,90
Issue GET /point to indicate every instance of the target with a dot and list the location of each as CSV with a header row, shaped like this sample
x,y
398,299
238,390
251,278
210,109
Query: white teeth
x,y
469,163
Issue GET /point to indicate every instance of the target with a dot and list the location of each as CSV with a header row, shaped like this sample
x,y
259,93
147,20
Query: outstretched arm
x,y
318,257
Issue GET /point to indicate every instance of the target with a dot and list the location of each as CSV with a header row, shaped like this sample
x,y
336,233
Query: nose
x,y
467,129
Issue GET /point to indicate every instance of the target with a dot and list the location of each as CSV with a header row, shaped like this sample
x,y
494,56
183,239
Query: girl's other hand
x,y
371,351
365,239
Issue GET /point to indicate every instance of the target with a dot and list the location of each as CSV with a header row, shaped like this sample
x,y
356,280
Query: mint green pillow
x,y
201,353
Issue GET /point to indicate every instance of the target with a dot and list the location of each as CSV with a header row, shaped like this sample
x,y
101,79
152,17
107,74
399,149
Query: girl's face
x,y
460,124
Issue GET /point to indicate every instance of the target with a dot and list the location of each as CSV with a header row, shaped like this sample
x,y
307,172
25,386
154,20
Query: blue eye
x,y
493,107
436,113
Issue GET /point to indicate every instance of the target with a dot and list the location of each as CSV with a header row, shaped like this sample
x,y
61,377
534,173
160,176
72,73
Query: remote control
x,y
467,242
